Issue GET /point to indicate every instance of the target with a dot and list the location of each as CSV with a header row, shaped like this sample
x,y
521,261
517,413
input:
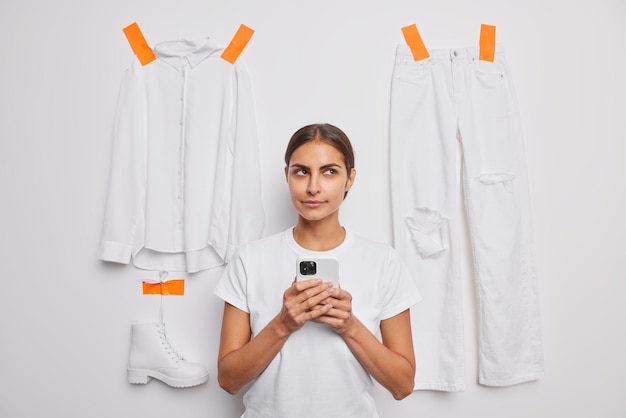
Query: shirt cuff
x,y
115,252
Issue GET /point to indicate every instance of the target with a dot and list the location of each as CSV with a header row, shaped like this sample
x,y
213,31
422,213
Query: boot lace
x,y
167,345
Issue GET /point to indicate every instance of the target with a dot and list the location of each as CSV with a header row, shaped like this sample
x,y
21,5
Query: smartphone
x,y
326,269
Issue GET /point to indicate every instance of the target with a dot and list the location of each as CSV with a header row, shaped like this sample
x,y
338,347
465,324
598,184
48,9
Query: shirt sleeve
x,y
127,174
247,216
232,284
401,291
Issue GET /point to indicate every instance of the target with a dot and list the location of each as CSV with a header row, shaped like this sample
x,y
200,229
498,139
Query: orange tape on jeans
x,y
237,44
170,287
487,43
415,43
138,44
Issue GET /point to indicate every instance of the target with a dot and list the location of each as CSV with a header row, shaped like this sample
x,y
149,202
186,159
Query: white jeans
x,y
450,97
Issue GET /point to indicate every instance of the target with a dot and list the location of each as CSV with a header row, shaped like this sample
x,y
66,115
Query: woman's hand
x,y
304,301
339,316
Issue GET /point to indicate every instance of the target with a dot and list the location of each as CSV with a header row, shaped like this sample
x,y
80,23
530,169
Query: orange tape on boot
x,y
237,44
170,287
487,43
415,43
138,44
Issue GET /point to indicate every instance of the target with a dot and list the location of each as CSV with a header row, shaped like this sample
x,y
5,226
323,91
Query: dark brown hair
x,y
324,132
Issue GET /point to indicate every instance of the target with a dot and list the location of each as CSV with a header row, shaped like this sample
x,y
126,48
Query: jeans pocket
x,y
488,71
489,90
413,72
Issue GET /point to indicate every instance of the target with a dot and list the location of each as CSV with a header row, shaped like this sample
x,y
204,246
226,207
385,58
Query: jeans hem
x,y
439,387
511,382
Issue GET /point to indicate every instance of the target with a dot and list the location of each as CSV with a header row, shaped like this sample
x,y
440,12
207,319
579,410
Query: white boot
x,y
152,356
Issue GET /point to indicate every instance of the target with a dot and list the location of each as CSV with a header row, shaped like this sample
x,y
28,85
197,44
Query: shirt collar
x,y
334,252
178,53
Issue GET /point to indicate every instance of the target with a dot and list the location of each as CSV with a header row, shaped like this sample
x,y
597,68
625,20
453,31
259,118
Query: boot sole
x,y
143,376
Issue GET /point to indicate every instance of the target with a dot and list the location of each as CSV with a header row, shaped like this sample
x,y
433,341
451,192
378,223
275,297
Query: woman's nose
x,y
313,186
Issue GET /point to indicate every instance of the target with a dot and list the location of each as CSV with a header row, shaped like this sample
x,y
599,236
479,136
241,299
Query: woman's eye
x,y
301,172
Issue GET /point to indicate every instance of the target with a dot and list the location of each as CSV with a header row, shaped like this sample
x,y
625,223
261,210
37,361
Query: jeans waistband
x,y
403,52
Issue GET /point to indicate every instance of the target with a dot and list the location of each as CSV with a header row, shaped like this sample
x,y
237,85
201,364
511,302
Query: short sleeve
x,y
232,284
400,292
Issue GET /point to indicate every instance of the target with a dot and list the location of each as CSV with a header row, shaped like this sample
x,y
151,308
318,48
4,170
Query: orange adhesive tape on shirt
x,y
487,43
238,43
415,43
138,44
170,287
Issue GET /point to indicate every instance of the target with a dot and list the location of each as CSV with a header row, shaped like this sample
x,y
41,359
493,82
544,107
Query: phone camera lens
x,y
308,267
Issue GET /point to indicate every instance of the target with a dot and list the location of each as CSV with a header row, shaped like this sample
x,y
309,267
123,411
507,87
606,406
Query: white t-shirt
x,y
315,374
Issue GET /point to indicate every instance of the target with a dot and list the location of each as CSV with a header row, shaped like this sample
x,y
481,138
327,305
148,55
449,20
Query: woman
x,y
309,348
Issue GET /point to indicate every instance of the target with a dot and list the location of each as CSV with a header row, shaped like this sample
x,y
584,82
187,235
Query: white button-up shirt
x,y
184,189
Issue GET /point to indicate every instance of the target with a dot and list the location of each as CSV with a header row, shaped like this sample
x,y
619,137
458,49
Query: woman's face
x,y
318,180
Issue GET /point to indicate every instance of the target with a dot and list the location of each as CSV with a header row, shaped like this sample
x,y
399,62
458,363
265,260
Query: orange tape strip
x,y
487,43
238,43
170,287
414,40
138,44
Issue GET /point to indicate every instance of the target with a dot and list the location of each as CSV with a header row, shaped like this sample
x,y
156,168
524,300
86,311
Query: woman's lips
x,y
312,204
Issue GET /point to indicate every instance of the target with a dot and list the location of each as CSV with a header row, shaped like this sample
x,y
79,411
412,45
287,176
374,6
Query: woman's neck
x,y
319,235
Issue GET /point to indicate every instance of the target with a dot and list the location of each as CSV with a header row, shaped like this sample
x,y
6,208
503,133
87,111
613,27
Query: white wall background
x,y
65,316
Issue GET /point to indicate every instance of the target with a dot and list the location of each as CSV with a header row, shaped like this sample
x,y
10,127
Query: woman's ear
x,y
351,178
